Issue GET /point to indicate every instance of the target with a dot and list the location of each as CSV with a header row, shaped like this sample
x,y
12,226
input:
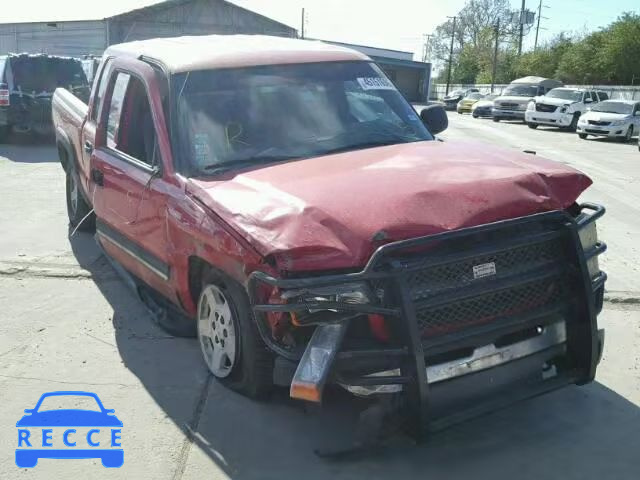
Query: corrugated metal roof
x,y
33,11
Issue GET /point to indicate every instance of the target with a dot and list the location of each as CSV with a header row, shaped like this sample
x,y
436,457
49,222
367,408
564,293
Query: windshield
x,y
474,96
564,94
231,118
613,107
520,91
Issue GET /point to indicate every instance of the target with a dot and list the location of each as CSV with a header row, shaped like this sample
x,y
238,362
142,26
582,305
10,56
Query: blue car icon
x,y
28,451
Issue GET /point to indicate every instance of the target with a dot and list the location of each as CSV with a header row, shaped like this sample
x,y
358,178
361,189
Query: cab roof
x,y
190,53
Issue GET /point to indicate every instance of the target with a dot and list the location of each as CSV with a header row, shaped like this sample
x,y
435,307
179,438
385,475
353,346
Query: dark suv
x,y
27,83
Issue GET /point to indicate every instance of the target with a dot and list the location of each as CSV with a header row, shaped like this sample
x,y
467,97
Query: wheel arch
x,y
66,152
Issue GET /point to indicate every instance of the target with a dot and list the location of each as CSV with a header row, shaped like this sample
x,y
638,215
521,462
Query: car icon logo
x,y
67,433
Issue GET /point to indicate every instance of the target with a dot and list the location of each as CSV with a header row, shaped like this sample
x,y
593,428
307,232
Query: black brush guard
x,y
438,306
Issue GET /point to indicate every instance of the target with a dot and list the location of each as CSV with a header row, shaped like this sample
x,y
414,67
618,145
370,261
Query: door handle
x,y
97,177
88,146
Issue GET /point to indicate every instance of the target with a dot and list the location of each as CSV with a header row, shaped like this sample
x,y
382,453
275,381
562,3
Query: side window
x,y
603,96
101,88
130,127
116,105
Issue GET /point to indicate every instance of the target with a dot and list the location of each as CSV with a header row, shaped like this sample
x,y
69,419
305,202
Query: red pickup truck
x,y
282,201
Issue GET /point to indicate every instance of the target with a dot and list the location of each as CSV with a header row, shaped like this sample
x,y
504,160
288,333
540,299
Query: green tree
x,y
619,59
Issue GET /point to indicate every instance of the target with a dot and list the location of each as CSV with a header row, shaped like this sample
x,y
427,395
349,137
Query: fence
x,y
615,92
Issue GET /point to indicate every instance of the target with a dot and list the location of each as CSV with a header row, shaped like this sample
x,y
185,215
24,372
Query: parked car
x,y
27,83
513,101
296,244
612,119
483,107
465,105
562,107
451,100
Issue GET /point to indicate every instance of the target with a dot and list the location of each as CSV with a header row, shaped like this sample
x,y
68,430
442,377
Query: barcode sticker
x,y
484,270
375,83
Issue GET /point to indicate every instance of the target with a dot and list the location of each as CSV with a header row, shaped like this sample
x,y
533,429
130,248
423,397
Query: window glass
x,y
130,128
231,118
102,87
115,108
603,96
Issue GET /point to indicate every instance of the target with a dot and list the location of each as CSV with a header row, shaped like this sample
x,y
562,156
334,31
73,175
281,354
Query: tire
x,y
573,126
532,125
246,366
77,207
474,115
496,119
583,136
629,135
4,133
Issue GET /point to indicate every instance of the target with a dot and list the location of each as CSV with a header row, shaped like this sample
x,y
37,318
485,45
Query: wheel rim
x,y
73,194
216,331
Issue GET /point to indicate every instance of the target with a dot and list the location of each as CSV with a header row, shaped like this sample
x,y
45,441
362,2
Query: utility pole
x,y
302,26
535,45
521,34
495,56
426,47
453,35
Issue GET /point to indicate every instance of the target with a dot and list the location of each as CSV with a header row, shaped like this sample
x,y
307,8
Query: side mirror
x,y
588,100
434,118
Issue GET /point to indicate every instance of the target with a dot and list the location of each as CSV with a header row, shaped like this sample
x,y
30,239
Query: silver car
x,y
613,119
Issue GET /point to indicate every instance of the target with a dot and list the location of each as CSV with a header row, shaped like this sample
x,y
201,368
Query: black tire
x,y
78,210
574,122
532,125
629,135
496,119
252,372
583,136
474,115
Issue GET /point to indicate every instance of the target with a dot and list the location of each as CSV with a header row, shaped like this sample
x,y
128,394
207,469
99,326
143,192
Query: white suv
x,y
561,107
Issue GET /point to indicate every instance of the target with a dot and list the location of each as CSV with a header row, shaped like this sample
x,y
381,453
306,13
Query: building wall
x,y
196,17
61,38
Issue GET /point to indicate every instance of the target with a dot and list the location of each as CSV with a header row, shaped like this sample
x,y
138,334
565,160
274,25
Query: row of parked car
x,y
538,101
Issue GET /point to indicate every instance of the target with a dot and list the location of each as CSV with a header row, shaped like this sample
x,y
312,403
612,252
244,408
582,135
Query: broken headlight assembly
x,y
322,304
589,240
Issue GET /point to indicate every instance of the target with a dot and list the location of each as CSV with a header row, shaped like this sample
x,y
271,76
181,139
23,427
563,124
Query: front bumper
x,y
468,347
603,131
555,119
508,114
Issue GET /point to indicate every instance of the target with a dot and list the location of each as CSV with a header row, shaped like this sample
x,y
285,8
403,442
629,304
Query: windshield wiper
x,y
249,162
363,145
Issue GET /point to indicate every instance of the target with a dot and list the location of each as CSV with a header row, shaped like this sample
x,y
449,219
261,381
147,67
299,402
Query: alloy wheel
x,y
217,331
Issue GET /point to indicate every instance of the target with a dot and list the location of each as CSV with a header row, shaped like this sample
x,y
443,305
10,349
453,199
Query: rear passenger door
x,y
128,170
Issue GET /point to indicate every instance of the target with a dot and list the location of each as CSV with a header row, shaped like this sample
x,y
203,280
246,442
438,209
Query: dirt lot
x,y
68,323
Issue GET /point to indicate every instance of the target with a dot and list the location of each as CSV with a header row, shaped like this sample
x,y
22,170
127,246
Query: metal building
x,y
88,35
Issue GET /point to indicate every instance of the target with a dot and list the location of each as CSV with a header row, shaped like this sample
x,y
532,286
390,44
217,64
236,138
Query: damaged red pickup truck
x,y
281,199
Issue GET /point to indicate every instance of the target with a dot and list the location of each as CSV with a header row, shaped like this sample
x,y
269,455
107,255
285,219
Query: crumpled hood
x,y
558,102
332,212
605,117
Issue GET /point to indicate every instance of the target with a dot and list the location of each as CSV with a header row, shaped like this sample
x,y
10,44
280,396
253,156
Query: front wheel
x,y
78,210
583,136
628,135
496,119
573,126
229,339
532,125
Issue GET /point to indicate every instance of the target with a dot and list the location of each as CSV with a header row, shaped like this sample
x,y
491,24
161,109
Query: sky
x,y
399,24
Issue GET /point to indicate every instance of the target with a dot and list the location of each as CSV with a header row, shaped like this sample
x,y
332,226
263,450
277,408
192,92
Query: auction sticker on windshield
x,y
375,83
